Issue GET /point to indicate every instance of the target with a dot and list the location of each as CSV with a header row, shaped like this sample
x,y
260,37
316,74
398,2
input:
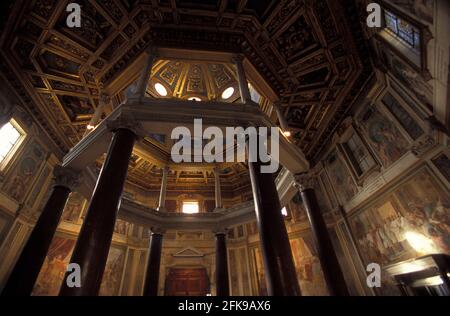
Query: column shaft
x,y
153,266
283,124
162,194
330,265
217,189
94,240
242,80
145,75
279,266
222,285
22,278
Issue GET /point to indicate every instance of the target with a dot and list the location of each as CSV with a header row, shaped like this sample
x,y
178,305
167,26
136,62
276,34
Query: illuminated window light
x,y
284,211
190,207
227,93
9,138
162,91
194,99
420,243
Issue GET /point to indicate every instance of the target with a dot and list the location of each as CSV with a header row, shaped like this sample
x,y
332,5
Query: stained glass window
x,y
403,30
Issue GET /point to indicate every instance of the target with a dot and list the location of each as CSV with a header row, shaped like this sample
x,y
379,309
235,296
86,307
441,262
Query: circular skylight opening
x,y
194,99
227,93
162,91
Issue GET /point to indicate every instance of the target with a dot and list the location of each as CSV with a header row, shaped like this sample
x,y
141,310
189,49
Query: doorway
x,y
187,282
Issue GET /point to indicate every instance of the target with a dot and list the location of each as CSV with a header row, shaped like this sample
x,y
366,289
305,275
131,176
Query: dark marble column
x,y
94,240
222,283
22,278
153,265
281,276
330,265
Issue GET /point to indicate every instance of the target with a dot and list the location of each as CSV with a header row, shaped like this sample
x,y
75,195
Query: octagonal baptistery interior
x,y
362,116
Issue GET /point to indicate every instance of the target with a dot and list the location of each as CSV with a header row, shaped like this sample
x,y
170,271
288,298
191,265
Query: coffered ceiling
x,y
311,53
187,80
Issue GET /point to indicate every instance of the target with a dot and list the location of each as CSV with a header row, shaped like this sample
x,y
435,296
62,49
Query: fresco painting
x,y
412,221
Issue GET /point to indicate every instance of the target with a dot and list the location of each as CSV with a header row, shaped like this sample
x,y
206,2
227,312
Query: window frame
x,y
424,34
398,33
351,131
15,148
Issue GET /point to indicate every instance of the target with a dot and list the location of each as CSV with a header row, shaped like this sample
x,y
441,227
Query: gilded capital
x,y
66,177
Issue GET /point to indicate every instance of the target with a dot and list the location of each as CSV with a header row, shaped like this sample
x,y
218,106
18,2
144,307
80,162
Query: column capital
x,y
126,122
165,168
158,230
304,181
67,177
220,231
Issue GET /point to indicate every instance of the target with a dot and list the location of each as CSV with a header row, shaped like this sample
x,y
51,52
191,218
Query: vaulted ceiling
x,y
312,54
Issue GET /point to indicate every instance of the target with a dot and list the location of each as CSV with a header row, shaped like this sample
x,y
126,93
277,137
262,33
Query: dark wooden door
x,y
187,282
